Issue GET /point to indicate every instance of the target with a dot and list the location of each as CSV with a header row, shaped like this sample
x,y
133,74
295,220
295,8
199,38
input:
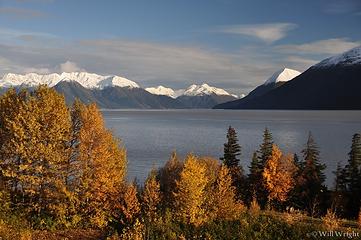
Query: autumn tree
x,y
168,175
278,175
223,203
189,194
212,166
34,139
11,104
150,203
102,167
130,206
151,197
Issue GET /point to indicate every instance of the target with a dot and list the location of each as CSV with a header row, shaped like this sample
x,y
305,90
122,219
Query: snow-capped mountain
x,y
348,58
87,80
204,89
282,75
117,92
332,84
160,90
276,80
192,90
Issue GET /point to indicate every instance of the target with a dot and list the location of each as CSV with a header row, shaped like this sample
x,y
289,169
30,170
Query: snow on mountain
x,y
204,89
92,80
160,90
282,75
193,90
350,57
87,80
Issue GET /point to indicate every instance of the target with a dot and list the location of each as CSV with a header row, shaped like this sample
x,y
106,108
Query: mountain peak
x,y
282,75
87,80
161,90
204,89
350,57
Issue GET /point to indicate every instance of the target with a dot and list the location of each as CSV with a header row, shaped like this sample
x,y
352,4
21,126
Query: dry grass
x,y
330,220
293,217
8,232
254,209
73,234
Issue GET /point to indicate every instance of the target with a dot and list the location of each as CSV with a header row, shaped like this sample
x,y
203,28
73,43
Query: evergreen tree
x,y
231,149
254,179
339,195
264,153
265,150
353,169
311,179
294,194
298,162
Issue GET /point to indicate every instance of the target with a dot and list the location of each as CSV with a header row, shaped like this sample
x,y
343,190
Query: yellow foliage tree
x,y
190,192
59,163
223,203
34,140
168,175
130,206
212,167
151,198
278,174
102,166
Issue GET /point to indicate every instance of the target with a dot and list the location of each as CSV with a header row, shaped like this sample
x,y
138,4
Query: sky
x,y
232,44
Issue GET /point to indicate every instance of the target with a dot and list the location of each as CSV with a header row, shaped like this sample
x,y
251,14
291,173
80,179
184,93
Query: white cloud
x,y
151,64
268,33
147,63
328,46
69,66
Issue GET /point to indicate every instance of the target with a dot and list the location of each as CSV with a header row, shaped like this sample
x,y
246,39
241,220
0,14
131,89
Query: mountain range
x,y
117,92
332,84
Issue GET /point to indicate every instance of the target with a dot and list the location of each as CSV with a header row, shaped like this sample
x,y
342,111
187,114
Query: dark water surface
x,y
151,135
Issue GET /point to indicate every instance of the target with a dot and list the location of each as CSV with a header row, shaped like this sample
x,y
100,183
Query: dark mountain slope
x,y
327,87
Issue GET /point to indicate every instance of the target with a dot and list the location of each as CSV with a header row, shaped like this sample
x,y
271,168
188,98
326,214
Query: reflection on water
x,y
151,135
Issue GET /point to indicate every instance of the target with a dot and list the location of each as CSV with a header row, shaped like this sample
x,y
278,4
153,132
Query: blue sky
x,y
231,44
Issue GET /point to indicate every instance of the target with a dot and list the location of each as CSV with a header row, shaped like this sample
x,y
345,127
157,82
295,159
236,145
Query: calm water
x,y
151,135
